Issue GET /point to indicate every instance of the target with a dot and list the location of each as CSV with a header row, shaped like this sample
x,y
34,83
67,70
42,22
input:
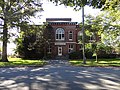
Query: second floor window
x,y
70,35
60,34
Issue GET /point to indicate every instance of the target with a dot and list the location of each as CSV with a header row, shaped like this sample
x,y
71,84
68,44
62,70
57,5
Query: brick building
x,y
64,37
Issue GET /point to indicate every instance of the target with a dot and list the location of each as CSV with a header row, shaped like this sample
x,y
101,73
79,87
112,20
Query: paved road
x,y
59,76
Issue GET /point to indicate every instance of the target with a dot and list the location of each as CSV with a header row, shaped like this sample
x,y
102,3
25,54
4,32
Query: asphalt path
x,y
60,76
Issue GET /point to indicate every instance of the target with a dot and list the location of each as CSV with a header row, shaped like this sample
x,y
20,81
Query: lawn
x,y
21,62
101,62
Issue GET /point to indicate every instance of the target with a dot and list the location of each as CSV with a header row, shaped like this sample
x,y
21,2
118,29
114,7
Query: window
x,y
92,38
70,35
80,47
70,48
79,37
49,49
60,34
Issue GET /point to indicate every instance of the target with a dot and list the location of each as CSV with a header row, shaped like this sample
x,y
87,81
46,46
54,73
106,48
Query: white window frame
x,y
49,49
59,50
70,33
60,34
70,48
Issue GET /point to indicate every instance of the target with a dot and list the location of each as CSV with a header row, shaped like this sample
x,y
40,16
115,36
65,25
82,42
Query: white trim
x,y
72,42
70,48
59,50
49,49
60,43
69,35
64,43
61,33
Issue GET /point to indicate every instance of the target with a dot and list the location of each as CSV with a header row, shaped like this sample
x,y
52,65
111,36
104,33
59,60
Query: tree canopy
x,y
14,13
102,4
77,4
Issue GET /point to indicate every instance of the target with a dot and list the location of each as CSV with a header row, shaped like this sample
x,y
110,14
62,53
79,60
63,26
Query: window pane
x,y
60,31
70,35
60,34
49,49
70,31
69,50
56,36
72,46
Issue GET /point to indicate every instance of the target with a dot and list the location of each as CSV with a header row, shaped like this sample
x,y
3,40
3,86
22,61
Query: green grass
x,y
92,62
21,62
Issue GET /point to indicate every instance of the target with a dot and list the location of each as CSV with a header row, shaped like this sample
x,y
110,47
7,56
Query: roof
x,y
58,19
62,23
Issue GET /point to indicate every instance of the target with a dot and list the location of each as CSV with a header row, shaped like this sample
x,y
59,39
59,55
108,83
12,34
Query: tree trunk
x,y
96,57
4,47
45,56
83,37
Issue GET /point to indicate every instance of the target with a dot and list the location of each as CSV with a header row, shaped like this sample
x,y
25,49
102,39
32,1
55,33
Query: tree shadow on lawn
x,y
59,78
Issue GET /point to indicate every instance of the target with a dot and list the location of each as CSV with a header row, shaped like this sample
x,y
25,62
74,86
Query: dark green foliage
x,y
28,50
27,45
103,51
13,13
77,4
48,56
89,54
76,55
103,54
34,42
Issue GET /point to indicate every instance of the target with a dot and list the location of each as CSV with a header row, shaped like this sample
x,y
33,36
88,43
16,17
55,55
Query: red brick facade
x,y
64,38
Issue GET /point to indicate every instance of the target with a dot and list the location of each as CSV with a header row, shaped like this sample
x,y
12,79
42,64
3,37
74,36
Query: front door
x,y
59,51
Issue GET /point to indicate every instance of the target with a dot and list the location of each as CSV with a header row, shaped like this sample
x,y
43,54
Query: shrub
x,y
49,56
107,55
75,55
89,54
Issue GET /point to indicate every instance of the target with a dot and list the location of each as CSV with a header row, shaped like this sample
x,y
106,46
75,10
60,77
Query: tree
x,y
14,12
83,36
112,6
29,42
94,29
77,4
33,41
111,22
47,38
111,34
102,4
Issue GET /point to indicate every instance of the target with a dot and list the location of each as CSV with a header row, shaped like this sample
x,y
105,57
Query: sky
x,y
61,11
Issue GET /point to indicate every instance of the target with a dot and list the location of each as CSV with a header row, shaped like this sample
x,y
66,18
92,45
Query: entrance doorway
x,y
59,50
